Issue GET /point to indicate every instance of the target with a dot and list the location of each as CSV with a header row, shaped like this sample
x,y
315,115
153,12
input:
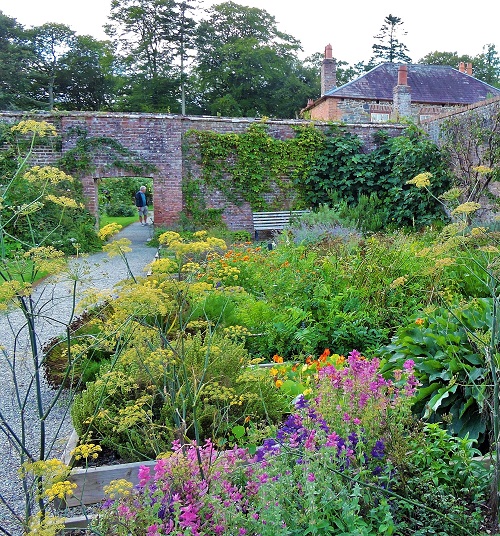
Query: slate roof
x,y
436,84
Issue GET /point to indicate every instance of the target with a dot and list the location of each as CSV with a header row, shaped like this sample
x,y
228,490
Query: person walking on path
x,y
142,205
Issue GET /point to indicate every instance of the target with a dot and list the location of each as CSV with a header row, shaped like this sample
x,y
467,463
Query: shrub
x,y
447,345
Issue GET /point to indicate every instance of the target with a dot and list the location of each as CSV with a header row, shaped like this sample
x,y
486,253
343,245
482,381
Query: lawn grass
x,y
11,272
121,220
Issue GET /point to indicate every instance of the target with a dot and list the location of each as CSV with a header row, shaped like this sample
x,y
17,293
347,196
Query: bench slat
x,y
276,220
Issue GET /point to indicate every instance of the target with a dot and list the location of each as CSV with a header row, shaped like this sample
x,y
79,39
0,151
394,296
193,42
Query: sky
x,y
431,25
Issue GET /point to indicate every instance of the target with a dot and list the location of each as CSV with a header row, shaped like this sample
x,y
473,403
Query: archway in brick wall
x,y
158,139
116,195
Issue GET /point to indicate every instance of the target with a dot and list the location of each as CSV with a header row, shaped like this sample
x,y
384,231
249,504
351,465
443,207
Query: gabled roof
x,y
436,84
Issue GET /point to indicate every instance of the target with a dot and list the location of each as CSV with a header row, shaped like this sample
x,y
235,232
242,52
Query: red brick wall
x,y
158,138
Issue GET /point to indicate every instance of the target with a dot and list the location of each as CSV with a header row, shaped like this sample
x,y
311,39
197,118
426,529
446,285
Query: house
x,y
391,91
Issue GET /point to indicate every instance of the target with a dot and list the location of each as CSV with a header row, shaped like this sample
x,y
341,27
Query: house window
x,y
379,117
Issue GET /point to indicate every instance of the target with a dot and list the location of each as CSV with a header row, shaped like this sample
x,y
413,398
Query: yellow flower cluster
x,y
169,237
466,208
451,195
163,266
59,490
42,128
63,201
45,525
156,361
51,471
10,290
197,325
484,170
191,267
447,261
109,230
118,488
117,247
86,451
46,258
27,208
130,416
489,249
399,282
478,231
48,174
422,180
236,332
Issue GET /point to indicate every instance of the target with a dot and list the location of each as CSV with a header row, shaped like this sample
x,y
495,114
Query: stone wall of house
x,y
159,139
360,110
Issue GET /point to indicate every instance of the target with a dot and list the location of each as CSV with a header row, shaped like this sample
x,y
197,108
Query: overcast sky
x,y
431,25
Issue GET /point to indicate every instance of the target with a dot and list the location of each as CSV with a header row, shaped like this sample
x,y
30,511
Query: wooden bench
x,y
274,221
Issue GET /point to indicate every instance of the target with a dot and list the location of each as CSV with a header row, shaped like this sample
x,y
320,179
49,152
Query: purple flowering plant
x,y
322,473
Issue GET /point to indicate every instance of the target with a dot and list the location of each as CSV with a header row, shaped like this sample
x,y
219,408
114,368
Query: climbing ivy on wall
x,y
247,166
81,158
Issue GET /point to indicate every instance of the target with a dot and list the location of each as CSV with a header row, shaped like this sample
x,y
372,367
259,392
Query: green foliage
x,y
127,410
196,214
246,67
442,474
81,157
246,167
41,204
377,181
448,347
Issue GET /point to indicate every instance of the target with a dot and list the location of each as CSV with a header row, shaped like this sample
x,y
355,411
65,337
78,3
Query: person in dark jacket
x,y
142,205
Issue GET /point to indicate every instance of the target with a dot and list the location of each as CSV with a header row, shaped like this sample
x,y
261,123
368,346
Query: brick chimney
x,y
401,95
328,71
468,68
461,67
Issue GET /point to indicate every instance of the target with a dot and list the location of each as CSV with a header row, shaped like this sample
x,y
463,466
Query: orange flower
x,y
419,321
277,358
309,359
324,355
278,383
294,367
247,419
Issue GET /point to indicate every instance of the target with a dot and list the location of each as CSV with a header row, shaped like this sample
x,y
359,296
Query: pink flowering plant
x,y
328,470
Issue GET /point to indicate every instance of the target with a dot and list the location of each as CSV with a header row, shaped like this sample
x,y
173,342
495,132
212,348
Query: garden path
x,y
54,300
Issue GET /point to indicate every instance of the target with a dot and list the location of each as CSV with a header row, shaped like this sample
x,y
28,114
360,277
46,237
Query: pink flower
x,y
311,477
125,512
160,468
153,530
408,365
144,475
310,443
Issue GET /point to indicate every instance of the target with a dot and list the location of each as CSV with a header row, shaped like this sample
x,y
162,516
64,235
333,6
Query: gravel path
x,y
54,300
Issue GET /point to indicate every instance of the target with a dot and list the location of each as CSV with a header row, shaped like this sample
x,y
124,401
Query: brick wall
x,y
159,138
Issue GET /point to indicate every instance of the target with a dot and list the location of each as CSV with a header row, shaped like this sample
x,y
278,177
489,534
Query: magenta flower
x,y
311,477
144,475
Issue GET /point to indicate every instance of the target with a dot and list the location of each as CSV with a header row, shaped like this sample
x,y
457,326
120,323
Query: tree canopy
x,y
171,56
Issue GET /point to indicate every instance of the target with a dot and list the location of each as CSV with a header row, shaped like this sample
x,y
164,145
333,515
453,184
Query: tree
x,y
85,80
487,66
389,48
246,66
445,58
152,39
14,54
183,40
50,42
